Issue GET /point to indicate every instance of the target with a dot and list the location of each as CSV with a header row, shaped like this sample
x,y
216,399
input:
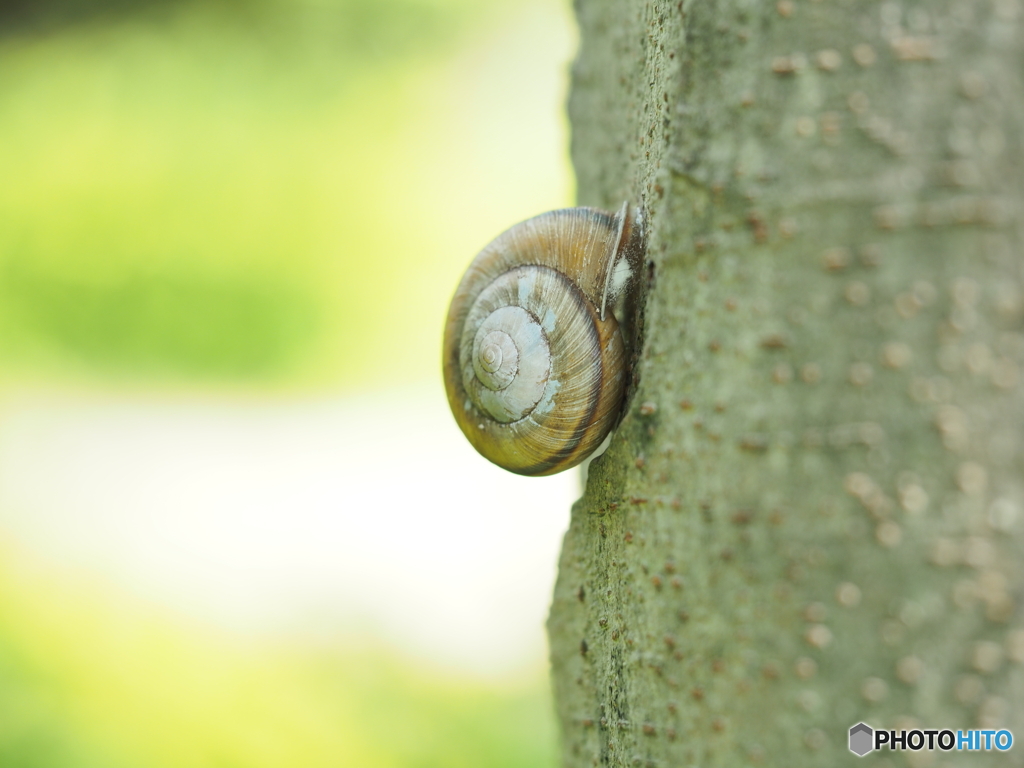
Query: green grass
x,y
164,209
202,193
276,196
88,678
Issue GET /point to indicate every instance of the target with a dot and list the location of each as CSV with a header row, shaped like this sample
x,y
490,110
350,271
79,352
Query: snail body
x,y
534,358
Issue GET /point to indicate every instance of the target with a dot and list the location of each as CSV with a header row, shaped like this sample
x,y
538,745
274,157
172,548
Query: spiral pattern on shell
x,y
534,364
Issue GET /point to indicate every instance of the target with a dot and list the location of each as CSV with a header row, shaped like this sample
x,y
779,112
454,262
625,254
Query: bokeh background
x,y
238,526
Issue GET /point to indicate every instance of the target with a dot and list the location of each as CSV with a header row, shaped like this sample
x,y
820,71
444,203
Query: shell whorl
x,y
534,363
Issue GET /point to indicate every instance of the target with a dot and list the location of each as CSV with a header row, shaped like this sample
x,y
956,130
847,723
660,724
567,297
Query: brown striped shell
x,y
534,362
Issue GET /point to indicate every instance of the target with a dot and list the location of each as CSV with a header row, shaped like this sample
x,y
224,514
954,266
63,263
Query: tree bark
x,y
812,513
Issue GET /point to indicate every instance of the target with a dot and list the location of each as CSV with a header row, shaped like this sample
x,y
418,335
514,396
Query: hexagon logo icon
x,y
862,738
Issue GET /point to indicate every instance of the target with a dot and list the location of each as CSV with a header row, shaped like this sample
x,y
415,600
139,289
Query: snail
x,y
535,361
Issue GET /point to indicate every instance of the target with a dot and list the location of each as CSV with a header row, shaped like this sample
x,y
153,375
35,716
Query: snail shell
x,y
534,359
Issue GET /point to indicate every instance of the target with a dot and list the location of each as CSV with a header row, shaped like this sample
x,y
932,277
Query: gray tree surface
x,y
812,513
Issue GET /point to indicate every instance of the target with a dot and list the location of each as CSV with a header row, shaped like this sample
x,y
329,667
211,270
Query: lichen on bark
x,y
812,513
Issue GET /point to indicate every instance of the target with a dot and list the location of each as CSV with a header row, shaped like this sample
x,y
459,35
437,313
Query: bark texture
x,y
813,511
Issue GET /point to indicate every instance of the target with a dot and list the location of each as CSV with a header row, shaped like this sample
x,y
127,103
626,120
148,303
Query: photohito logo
x,y
865,739
861,739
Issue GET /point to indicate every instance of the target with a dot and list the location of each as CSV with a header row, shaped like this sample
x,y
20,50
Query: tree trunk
x,y
811,514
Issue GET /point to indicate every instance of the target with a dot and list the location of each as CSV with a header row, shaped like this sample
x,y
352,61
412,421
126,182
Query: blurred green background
x,y
255,200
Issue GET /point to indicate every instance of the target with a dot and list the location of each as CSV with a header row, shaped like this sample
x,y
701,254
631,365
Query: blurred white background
x,y
368,513
238,525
